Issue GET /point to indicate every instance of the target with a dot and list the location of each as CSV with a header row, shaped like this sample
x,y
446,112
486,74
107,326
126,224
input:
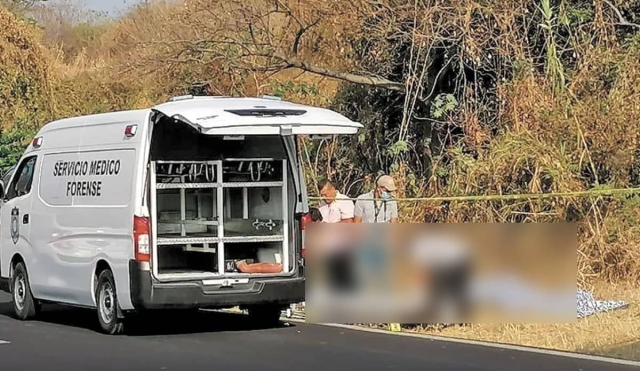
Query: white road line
x,y
481,343
3,342
520,348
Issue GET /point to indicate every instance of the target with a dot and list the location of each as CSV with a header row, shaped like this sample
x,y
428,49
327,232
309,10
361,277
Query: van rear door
x,y
237,117
248,116
227,116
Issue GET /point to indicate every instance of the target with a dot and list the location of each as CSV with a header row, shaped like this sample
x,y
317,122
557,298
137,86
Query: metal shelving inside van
x,y
210,207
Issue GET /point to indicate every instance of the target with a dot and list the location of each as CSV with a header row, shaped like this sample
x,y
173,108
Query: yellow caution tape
x,y
593,192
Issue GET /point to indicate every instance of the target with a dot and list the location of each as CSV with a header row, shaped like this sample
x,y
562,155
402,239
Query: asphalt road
x,y
66,339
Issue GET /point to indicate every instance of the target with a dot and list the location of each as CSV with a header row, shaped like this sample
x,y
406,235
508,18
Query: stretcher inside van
x,y
199,202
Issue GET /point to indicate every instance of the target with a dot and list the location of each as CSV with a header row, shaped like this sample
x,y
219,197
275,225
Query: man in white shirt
x,y
334,207
337,208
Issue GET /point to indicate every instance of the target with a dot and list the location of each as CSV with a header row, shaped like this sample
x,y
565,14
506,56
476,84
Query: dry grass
x,y
613,334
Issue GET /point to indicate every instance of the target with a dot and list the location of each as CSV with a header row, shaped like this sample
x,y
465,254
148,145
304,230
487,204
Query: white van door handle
x,y
25,219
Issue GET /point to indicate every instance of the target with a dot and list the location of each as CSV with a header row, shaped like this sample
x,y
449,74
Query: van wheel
x,y
265,315
24,306
107,304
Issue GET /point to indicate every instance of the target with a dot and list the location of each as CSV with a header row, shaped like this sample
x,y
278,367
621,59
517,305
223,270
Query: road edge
x,y
521,348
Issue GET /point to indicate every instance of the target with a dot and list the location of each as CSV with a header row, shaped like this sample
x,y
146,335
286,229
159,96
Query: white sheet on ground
x,y
588,305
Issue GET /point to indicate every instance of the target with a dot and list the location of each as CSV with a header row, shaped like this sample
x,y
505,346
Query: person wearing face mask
x,y
369,211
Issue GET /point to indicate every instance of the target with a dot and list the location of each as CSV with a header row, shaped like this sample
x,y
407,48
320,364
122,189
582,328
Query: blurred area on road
x,y
441,273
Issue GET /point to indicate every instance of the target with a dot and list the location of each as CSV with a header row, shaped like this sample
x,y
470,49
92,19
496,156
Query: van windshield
x,y
7,175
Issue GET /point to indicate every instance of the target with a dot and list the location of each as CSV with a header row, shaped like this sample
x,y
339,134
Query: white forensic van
x,y
161,208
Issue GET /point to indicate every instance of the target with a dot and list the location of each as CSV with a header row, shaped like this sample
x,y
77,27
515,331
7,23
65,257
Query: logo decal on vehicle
x,y
15,231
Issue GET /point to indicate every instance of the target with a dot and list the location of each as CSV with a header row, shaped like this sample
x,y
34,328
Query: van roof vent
x,y
181,97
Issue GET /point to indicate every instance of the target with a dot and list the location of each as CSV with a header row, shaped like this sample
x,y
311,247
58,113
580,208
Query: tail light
x,y
306,219
141,239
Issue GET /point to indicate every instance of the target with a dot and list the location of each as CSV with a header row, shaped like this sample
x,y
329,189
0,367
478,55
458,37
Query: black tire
x,y
24,305
265,315
107,304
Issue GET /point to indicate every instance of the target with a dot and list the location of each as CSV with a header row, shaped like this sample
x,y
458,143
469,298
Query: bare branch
x,y
300,33
248,42
621,20
294,62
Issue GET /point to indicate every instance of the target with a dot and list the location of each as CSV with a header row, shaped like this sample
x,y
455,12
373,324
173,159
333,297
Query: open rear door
x,y
252,116
236,118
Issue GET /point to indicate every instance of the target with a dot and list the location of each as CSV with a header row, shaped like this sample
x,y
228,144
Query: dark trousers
x,y
449,285
340,269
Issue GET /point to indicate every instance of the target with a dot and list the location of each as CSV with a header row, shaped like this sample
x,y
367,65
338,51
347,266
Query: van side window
x,y
24,178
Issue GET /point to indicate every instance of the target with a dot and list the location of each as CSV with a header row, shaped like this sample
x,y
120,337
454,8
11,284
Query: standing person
x,y
334,207
316,217
366,210
337,250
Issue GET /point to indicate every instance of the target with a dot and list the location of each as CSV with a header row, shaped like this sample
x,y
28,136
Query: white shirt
x,y
341,208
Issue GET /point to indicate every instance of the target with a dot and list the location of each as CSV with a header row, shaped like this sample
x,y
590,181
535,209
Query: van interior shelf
x,y
210,240
216,185
251,184
209,214
186,185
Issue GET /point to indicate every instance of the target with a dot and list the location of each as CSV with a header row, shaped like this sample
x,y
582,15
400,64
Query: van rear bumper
x,y
148,294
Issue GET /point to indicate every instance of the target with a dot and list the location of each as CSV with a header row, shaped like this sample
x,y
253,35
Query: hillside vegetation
x,y
25,86
459,97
